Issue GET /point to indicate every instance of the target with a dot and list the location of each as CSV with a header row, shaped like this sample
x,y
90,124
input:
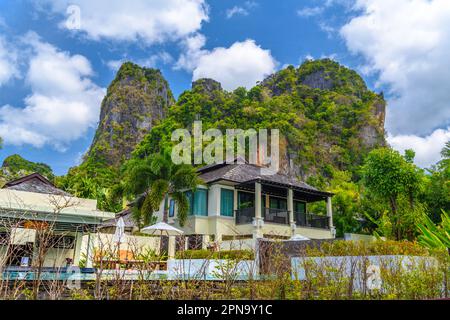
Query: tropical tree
x,y
396,180
438,186
435,236
152,179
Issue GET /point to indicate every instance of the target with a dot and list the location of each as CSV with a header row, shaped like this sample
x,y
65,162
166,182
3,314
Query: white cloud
x,y
151,21
63,104
242,64
407,43
427,149
241,10
310,11
8,62
151,62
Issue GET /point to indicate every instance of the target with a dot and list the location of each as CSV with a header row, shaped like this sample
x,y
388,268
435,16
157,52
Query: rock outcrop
x,y
136,100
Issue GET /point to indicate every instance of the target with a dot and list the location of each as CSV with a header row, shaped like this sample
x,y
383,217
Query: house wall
x,y
219,226
102,241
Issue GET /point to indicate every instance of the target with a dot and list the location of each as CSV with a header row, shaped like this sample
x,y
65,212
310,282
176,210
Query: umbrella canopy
x,y
299,237
119,235
162,228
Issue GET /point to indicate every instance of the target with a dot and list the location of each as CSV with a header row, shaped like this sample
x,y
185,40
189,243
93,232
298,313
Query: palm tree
x,y
153,179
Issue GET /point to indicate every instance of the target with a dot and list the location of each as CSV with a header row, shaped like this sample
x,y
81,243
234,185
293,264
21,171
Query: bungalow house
x,y
31,204
239,202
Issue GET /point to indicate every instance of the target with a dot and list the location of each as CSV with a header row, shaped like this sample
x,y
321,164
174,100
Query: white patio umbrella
x,y
119,235
162,228
298,237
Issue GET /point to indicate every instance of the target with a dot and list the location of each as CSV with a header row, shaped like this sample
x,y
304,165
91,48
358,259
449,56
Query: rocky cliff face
x,y
136,100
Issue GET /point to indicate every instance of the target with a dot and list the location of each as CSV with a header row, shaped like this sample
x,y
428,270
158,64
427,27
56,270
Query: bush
x,y
224,254
361,248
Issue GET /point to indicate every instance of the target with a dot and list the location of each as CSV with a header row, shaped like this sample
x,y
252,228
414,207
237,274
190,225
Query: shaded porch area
x,y
281,204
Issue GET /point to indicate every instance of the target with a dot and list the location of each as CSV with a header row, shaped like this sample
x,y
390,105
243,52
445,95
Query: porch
x,y
266,202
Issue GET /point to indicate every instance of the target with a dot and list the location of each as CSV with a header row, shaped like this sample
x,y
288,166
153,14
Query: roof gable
x,y
35,183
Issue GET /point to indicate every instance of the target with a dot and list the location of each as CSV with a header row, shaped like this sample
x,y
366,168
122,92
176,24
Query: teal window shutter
x,y
226,202
200,203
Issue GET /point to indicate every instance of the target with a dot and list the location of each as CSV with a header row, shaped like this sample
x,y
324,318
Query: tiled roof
x,y
35,183
241,173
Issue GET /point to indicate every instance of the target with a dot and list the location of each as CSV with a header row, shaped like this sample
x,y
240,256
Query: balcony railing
x,y
312,220
280,216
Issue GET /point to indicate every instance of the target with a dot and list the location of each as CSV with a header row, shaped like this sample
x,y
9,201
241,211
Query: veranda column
x,y
290,207
330,216
77,248
258,221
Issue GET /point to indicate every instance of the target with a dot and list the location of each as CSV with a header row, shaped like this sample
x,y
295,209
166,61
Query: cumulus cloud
x,y
151,62
150,21
63,104
8,62
242,64
427,149
407,43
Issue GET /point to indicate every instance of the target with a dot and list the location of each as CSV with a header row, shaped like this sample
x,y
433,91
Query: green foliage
x,y
397,182
437,196
364,248
93,180
435,237
15,167
152,179
223,254
322,129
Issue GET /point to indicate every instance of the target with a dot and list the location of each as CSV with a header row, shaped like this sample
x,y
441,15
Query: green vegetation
x,y
152,180
436,237
15,167
223,254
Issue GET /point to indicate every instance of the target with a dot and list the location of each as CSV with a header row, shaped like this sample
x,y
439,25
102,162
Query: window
x,y
198,202
299,207
226,202
172,208
246,200
278,203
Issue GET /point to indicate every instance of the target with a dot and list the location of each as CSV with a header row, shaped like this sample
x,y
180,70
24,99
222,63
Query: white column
x,y
258,206
290,207
214,200
171,249
89,252
77,248
258,220
330,215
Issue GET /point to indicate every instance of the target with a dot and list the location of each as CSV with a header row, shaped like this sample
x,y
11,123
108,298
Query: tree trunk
x,y
396,229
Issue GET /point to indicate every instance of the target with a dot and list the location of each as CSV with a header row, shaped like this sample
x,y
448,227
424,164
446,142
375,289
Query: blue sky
x,y
54,70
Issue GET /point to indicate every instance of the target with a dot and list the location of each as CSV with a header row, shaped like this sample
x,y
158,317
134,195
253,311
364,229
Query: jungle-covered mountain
x,y
328,119
326,115
15,166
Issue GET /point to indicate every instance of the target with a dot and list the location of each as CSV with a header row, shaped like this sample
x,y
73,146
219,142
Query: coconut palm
x,y
153,179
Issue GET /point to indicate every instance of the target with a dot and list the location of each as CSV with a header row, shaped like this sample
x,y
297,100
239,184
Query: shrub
x,y
361,248
224,254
